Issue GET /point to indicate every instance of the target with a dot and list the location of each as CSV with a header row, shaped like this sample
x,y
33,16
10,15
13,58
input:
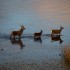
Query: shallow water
x,y
33,52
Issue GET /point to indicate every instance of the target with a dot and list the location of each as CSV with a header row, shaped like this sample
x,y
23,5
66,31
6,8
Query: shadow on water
x,y
56,38
19,42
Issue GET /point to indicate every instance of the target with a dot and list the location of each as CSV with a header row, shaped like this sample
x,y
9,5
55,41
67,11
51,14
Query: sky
x,y
34,15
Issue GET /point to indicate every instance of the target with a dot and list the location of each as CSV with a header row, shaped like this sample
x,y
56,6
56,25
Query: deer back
x,y
37,34
56,31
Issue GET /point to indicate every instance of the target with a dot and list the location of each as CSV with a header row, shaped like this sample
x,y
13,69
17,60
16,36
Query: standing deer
x,y
38,35
17,33
56,31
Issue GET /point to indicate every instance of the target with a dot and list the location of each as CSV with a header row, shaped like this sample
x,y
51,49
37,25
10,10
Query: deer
x,y
56,31
17,33
38,34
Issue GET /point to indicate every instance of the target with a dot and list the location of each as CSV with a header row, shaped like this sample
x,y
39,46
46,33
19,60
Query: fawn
x,y
17,33
38,35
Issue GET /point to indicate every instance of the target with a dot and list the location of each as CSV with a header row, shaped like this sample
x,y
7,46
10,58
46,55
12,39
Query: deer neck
x,y
21,30
41,32
60,29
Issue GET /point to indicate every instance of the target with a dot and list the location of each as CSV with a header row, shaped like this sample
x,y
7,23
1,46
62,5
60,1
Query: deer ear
x,y
60,26
41,30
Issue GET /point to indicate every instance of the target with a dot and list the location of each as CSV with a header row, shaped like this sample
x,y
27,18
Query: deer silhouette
x,y
17,33
56,31
38,34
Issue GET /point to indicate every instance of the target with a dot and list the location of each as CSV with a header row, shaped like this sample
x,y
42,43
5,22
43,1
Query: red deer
x,y
56,31
38,34
17,33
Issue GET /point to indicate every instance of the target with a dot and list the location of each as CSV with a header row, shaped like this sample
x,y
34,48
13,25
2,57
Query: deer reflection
x,y
38,39
17,42
56,38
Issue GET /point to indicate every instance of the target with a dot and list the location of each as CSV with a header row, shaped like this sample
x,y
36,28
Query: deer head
x,y
22,27
41,31
61,27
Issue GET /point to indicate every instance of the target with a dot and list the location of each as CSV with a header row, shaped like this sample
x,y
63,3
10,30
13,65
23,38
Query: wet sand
x,y
30,54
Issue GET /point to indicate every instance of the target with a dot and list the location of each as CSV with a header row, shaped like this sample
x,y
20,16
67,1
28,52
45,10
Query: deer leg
x,y
61,41
19,37
34,36
10,36
51,35
14,36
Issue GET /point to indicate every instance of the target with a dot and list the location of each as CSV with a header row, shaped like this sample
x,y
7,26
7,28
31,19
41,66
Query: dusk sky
x,y
34,14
